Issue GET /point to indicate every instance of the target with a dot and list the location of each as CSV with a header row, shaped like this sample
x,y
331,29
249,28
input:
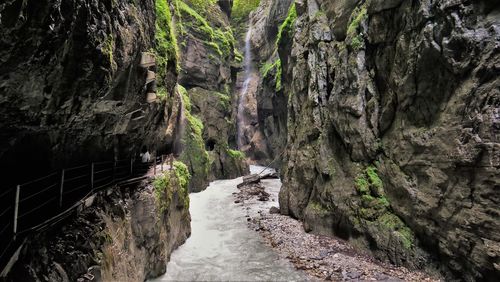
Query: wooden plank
x,y
61,188
147,60
150,77
16,209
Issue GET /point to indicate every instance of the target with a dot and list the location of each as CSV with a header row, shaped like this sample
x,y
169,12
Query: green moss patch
x,y
375,208
318,208
287,27
235,154
220,39
163,189
394,223
166,48
274,68
224,100
194,153
169,182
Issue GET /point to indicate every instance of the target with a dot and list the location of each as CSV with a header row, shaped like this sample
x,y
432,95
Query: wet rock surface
x,y
392,138
207,53
265,103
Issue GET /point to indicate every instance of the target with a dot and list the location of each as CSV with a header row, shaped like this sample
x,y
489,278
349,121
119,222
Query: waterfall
x,y
244,90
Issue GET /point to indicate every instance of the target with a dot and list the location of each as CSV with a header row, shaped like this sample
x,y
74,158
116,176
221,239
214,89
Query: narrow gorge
x,y
135,137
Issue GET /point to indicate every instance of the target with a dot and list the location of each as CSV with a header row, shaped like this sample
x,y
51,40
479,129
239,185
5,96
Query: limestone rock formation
x,y
393,129
207,52
84,81
72,89
265,103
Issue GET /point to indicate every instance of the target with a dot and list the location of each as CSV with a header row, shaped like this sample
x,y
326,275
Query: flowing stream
x,y
222,247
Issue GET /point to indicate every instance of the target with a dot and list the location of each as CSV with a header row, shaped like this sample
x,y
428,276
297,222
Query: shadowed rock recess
x,y
382,118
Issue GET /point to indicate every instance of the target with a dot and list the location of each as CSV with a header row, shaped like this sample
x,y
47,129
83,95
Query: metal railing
x,y
29,205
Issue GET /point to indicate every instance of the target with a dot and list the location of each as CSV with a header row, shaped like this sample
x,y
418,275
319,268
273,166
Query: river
x,y
222,246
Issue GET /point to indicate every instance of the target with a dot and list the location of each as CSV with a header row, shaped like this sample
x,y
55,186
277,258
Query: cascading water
x,y
248,64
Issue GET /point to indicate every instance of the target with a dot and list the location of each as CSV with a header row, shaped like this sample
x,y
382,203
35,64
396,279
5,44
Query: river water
x,y
222,246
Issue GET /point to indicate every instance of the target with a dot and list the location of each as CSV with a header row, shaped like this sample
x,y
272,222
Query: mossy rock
x,y
194,153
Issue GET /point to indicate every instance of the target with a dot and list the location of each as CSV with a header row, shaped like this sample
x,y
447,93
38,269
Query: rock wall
x,y
207,57
393,125
71,86
125,235
85,81
265,103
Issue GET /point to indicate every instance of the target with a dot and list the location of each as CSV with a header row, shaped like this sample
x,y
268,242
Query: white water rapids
x,y
221,246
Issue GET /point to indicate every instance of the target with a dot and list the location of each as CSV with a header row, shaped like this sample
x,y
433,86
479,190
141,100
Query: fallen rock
x,y
249,179
274,210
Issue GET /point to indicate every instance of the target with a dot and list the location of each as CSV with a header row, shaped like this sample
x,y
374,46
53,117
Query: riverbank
x,y
320,257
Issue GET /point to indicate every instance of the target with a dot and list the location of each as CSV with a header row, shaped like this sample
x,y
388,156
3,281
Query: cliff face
x,y
72,89
265,104
207,56
85,81
393,125
126,235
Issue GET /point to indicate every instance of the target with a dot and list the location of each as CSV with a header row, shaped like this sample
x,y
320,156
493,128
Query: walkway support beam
x,y
16,209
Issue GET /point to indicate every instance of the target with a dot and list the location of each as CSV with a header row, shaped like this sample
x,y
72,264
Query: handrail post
x,y
92,176
61,189
162,160
16,209
131,166
154,165
114,170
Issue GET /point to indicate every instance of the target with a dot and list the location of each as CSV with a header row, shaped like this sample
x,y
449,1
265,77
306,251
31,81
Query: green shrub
x,y
242,8
357,16
219,39
235,154
357,42
163,190
394,223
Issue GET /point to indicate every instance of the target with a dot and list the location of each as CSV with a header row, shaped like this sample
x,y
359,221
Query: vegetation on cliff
x,y
242,8
175,180
166,48
196,18
353,34
194,153
239,14
375,208
276,69
288,26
